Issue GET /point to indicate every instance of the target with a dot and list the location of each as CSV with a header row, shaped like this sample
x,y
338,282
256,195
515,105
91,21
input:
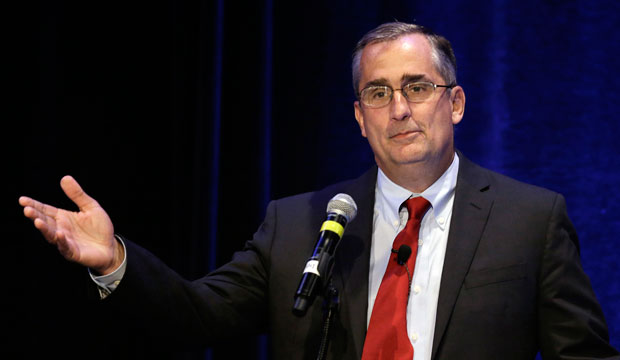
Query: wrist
x,y
117,259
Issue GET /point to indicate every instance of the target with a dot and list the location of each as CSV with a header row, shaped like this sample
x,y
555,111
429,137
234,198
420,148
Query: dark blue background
x,y
184,118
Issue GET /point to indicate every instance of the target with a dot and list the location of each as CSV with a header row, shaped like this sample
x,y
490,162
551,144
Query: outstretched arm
x,y
85,237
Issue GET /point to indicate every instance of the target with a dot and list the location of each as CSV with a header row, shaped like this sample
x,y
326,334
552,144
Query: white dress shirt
x,y
389,220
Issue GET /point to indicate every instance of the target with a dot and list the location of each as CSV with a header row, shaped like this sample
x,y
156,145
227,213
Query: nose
x,y
400,109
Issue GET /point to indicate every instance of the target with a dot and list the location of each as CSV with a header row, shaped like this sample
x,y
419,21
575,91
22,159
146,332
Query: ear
x,y
457,97
359,116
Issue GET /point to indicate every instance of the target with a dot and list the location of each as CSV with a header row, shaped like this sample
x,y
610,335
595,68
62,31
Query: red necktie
x,y
387,337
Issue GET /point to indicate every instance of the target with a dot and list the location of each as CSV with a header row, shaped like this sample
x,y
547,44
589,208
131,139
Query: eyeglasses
x,y
416,92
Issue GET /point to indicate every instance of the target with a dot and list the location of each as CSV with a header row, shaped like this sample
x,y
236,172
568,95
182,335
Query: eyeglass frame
x,y
435,86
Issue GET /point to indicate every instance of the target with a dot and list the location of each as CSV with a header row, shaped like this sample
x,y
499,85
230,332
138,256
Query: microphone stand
x,y
330,307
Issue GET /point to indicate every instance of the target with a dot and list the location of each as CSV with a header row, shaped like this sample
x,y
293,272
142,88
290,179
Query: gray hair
x,y
441,50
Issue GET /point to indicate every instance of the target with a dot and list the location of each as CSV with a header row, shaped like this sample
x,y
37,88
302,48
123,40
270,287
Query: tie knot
x,y
417,207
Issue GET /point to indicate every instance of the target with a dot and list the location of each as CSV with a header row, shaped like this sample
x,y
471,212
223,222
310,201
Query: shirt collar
x,y
438,194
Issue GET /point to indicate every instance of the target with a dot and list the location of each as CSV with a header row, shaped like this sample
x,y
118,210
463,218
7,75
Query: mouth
x,y
404,135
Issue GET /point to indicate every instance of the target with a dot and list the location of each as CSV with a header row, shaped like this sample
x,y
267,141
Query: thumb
x,y
74,191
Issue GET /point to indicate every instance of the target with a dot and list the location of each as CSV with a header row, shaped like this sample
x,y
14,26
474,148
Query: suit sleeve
x,y
232,300
571,322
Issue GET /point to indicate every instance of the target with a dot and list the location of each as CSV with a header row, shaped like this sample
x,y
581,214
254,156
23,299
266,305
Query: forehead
x,y
407,54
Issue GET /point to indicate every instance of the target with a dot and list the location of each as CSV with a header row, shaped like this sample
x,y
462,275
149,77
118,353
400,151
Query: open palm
x,y
85,236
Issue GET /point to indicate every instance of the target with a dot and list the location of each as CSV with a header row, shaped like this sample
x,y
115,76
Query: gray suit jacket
x,y
512,282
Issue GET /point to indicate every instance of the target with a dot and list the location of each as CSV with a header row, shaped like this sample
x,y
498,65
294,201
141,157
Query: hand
x,y
85,237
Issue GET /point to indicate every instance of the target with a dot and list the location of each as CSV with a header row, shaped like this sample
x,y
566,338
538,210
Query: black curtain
x,y
183,119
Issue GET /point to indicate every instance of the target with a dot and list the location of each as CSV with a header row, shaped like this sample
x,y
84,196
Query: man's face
x,y
401,132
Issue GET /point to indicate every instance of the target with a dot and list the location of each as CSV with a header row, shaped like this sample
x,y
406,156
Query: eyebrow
x,y
409,78
377,82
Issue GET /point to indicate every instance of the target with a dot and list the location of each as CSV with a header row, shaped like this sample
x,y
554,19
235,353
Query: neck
x,y
418,176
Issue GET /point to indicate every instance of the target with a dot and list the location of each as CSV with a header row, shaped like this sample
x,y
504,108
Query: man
x,y
495,275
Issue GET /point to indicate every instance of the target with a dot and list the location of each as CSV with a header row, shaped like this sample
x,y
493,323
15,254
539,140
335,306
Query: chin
x,y
410,155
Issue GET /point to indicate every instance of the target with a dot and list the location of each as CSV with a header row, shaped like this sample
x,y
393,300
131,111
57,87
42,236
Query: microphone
x,y
402,255
341,210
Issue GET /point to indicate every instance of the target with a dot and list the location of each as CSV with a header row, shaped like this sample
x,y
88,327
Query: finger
x,y
33,214
47,230
40,207
76,194
45,224
25,200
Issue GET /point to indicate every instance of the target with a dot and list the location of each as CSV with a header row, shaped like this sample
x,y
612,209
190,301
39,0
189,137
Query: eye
x,y
378,92
417,88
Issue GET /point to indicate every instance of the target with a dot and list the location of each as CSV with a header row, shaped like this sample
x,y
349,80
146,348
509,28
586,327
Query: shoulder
x,y
501,185
513,204
361,189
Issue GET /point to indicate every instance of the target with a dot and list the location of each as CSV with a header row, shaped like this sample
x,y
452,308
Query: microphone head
x,y
404,252
344,205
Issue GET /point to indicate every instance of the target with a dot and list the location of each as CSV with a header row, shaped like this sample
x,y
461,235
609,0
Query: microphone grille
x,y
344,205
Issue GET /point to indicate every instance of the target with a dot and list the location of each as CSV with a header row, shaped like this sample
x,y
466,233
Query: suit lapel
x,y
353,258
472,204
